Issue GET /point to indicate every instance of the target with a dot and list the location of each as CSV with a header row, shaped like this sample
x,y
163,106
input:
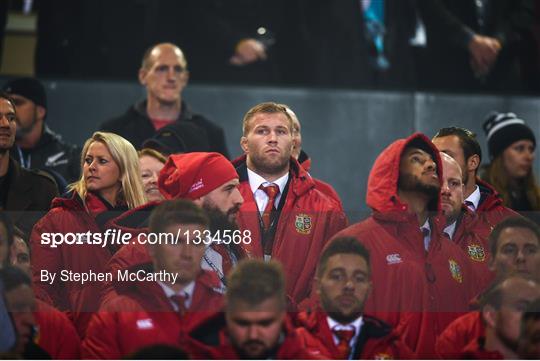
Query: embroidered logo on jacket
x,y
145,324
455,270
476,252
303,223
383,356
393,258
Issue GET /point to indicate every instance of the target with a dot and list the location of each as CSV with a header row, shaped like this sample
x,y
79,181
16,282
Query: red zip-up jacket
x,y
78,300
491,208
459,334
432,287
57,336
307,221
209,340
143,316
325,188
376,339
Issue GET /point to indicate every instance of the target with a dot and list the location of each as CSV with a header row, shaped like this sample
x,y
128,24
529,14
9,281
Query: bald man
x,y
165,75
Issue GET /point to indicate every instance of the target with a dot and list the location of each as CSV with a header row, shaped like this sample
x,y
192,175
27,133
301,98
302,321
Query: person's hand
x,y
248,51
484,51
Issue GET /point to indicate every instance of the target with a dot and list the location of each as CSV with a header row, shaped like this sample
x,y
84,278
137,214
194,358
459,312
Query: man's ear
x,y
41,111
142,76
473,162
244,144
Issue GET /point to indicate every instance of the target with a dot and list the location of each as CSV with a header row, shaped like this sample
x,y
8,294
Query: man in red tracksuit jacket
x,y
501,310
161,309
210,180
410,257
305,161
480,197
255,323
339,323
463,226
287,216
515,248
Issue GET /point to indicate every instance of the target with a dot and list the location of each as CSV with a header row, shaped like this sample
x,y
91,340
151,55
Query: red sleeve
x,y
100,341
57,335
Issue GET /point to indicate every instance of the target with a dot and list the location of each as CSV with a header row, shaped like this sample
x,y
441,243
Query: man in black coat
x,y
164,73
25,194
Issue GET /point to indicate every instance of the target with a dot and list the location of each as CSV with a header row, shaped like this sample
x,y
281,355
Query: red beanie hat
x,y
193,175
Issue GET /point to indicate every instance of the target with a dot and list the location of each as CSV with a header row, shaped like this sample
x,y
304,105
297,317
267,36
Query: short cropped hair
x,y
511,222
467,140
147,62
267,108
255,281
177,211
6,96
342,245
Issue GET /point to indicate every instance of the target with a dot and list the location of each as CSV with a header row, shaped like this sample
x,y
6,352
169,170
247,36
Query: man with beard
x,y
343,284
421,280
463,226
502,309
480,197
210,181
514,249
37,146
164,73
254,324
286,215
25,194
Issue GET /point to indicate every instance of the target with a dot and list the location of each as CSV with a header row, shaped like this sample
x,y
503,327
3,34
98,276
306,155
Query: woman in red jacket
x,y
68,247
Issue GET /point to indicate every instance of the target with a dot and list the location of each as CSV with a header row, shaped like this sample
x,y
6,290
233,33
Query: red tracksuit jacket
x,y
57,335
307,221
376,341
77,299
142,316
459,334
209,340
323,187
432,287
491,208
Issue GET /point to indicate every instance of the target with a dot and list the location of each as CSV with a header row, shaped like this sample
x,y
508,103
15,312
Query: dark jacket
x,y
53,154
28,195
136,126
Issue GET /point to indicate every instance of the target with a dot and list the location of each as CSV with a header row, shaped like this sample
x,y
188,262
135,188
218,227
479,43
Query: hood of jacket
x,y
382,189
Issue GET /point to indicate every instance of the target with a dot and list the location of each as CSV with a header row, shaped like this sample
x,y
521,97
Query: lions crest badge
x,y
476,252
303,223
455,270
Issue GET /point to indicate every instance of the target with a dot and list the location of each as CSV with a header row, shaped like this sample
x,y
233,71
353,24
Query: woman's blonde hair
x,y
125,156
149,152
497,176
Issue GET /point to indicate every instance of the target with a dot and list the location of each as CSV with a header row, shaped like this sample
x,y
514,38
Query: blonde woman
x,y
151,162
68,242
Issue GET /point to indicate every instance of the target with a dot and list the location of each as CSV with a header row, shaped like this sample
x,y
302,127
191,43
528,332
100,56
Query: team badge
x,y
455,270
303,223
476,252
383,356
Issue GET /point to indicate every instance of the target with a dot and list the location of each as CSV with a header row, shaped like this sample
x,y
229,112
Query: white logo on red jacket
x,y
393,258
197,185
145,324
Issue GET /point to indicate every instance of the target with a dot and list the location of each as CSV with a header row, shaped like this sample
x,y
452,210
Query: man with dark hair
x,y
462,145
283,210
529,339
514,249
36,145
169,296
339,323
255,324
502,308
164,73
25,194
416,271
